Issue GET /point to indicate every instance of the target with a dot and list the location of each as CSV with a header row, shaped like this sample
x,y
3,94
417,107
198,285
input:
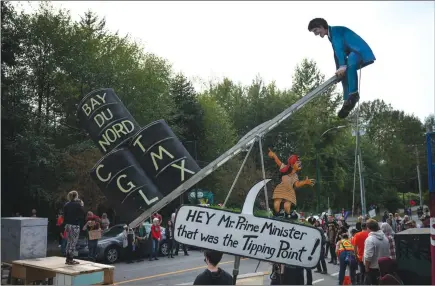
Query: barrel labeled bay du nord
x,y
124,183
107,120
163,156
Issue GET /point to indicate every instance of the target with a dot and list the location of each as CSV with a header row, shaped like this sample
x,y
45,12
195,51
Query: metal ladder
x,y
242,145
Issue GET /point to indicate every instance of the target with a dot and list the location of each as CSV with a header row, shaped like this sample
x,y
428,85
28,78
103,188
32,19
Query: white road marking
x,y
189,283
334,274
318,280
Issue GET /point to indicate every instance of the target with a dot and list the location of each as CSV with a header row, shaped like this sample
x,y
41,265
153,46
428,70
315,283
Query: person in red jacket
x,y
156,236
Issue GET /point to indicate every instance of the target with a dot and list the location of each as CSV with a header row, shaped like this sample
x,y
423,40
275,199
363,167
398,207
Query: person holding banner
x,y
93,229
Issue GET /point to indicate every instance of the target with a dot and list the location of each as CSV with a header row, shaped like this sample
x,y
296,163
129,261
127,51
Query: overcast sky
x,y
239,40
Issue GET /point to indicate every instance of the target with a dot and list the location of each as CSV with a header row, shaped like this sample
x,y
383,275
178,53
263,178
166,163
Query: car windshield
x,y
113,231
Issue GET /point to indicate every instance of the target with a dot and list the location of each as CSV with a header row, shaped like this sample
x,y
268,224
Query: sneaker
x,y
155,258
324,272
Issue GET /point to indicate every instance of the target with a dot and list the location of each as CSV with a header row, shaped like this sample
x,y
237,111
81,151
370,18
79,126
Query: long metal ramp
x,y
243,144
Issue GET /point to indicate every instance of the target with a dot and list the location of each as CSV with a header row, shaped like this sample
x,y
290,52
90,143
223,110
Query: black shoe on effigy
x,y
348,105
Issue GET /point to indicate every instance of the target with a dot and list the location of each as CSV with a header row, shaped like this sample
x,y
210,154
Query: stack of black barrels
x,y
140,166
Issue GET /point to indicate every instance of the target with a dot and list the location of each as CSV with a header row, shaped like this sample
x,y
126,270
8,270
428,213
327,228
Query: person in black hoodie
x,y
213,275
74,216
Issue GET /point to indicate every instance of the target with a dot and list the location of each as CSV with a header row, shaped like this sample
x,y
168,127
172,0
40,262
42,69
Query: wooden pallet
x,y
57,272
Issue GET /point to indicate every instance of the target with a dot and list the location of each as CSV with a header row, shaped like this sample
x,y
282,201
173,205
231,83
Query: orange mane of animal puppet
x,y
285,191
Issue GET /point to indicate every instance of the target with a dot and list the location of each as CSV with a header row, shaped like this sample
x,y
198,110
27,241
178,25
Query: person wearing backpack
x,y
346,256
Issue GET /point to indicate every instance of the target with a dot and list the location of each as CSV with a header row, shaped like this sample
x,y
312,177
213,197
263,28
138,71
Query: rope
x,y
356,145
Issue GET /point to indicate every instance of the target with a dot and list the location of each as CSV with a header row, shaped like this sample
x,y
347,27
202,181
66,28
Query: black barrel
x,y
124,183
107,120
163,156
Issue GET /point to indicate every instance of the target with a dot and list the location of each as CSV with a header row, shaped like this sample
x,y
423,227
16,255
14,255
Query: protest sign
x,y
248,236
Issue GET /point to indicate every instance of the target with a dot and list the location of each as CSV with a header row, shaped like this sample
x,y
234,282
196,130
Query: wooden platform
x,y
56,271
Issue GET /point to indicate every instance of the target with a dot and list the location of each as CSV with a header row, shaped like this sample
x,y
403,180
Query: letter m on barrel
x,y
160,156
161,152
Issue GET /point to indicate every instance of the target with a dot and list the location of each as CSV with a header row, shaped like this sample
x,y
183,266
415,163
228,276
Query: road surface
x,y
182,270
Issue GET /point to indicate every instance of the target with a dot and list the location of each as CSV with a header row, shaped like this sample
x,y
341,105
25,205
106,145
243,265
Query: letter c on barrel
x,y
130,184
101,178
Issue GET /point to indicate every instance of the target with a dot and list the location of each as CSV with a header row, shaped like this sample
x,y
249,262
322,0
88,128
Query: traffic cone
x,y
346,280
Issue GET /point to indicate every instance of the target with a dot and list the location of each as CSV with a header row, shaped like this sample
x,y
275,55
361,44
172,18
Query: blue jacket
x,y
344,41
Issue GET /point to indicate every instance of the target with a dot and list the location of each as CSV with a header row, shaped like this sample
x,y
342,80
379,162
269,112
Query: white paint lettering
x,y
99,176
160,156
103,98
137,142
148,202
182,169
101,117
129,184
94,103
113,133
86,109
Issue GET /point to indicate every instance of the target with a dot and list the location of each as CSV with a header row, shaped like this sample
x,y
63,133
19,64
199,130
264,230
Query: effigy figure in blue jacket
x,y
351,53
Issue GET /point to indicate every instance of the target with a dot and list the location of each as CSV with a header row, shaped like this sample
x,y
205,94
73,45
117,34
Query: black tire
x,y
112,254
164,249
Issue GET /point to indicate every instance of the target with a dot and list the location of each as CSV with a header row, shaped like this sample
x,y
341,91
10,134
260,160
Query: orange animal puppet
x,y
285,191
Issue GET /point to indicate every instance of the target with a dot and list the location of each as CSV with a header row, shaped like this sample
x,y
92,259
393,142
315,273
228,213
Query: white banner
x,y
248,236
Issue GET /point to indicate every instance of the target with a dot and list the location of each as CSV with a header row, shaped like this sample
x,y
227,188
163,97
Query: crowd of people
x,y
399,224
367,251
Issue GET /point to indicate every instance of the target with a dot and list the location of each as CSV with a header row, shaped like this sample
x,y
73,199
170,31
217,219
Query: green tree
x,y
188,113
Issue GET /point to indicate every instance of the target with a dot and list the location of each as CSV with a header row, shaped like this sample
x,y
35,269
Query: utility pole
x,y
418,176
361,186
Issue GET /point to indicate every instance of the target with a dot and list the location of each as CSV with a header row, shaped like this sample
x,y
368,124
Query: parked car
x,y
110,248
